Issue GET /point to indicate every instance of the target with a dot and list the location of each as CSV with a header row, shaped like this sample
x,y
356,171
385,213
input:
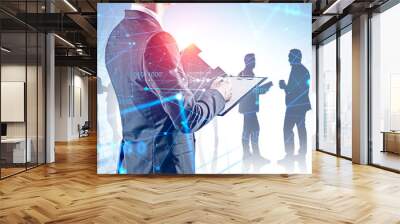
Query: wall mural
x,y
196,88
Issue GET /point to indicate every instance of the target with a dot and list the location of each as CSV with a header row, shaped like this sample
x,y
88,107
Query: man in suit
x,y
159,114
297,104
249,106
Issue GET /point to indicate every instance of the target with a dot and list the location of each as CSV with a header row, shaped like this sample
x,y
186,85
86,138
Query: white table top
x,y
13,140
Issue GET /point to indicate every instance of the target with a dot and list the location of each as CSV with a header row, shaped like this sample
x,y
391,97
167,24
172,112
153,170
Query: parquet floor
x,y
10,171
70,191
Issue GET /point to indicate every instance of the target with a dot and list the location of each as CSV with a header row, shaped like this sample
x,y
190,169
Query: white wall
x,y
80,109
33,126
71,102
12,73
17,73
61,103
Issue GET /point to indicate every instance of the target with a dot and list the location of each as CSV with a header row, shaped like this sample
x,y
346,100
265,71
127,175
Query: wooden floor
x,y
70,191
5,172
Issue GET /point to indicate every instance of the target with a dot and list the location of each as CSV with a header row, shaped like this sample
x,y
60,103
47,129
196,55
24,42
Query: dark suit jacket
x,y
297,89
158,112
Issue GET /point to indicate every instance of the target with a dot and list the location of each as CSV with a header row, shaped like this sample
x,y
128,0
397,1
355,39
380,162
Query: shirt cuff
x,y
219,100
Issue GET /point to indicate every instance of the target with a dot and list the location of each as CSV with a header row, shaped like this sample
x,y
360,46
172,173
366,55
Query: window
x,y
346,93
22,88
385,89
327,96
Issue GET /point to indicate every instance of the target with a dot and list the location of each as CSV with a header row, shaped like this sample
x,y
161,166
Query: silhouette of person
x,y
297,104
159,113
249,106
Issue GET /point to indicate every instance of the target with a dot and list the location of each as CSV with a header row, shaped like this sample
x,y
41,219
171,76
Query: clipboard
x,y
241,86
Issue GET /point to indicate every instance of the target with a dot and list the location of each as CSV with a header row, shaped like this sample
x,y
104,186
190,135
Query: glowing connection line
x,y
151,104
178,97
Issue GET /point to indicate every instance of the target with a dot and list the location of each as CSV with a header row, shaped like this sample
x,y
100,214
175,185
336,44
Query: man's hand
x,y
224,86
268,85
282,84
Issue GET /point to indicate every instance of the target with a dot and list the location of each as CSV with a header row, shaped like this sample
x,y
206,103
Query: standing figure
x,y
159,113
249,106
297,104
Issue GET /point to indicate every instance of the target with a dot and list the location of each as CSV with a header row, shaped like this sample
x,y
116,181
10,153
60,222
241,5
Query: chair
x,y
84,130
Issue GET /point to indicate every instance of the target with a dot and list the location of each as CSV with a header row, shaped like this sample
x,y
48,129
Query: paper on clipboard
x,y
241,86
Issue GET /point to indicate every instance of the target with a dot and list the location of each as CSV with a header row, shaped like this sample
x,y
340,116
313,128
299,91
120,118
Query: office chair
x,y
84,130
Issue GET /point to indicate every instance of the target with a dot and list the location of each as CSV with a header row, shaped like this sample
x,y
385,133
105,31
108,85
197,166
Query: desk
x,y
391,141
15,148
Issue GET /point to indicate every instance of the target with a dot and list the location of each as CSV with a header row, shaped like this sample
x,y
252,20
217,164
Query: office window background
x,y
327,95
385,84
22,62
346,76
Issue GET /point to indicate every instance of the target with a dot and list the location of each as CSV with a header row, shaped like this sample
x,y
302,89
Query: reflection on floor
x,y
233,163
10,169
387,159
70,191
219,148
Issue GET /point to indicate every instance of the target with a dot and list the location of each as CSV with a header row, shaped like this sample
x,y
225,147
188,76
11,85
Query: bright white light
x,y
179,96
65,41
86,72
183,39
5,50
338,6
70,5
